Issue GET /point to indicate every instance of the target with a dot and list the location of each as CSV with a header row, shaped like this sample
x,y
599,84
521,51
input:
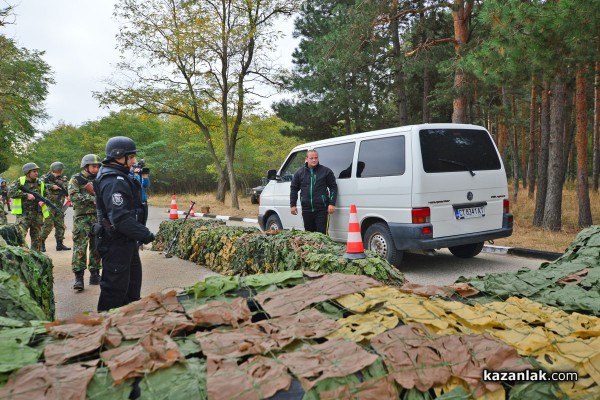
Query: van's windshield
x,y
453,150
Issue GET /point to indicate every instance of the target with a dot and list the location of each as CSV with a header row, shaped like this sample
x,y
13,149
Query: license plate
x,y
470,212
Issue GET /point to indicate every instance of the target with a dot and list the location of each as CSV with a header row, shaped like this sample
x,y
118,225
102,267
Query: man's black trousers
x,y
315,221
121,281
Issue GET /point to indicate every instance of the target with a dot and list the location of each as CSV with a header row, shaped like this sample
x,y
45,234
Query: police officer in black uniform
x,y
120,212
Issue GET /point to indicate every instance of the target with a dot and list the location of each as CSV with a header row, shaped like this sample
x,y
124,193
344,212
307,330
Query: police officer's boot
x,y
78,285
43,247
95,277
60,246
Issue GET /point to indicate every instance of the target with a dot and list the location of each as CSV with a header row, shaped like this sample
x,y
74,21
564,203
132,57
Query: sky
x,y
78,38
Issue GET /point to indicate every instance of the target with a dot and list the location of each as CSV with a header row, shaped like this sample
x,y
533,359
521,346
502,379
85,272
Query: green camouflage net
x,y
293,335
246,251
303,334
34,271
12,235
571,283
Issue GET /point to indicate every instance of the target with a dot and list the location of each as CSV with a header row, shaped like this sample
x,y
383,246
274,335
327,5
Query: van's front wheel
x,y
466,250
273,223
379,240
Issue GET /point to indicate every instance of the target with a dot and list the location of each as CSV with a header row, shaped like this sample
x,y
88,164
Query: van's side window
x,y
338,158
382,157
294,162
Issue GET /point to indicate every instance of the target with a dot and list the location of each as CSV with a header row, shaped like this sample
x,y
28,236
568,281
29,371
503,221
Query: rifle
x,y
168,252
41,198
54,180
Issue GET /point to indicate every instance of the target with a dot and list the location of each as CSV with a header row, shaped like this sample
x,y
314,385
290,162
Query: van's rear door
x,y
461,179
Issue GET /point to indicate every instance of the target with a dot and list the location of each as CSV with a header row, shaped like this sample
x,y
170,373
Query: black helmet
x,y
30,166
119,146
90,159
57,166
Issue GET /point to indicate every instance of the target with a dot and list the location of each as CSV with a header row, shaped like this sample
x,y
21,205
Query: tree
x,y
24,82
192,57
583,196
461,12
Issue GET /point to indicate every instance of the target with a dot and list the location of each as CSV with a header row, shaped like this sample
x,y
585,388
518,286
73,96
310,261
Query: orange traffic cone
x,y
192,214
173,214
354,246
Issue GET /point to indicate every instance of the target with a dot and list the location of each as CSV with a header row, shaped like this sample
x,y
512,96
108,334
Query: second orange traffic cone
x,y
354,246
192,214
173,213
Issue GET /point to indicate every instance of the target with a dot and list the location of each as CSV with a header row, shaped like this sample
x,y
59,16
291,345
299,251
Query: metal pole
x,y
168,252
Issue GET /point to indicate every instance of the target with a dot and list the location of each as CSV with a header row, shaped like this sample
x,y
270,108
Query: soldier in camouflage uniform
x,y
29,212
82,196
4,194
3,219
56,187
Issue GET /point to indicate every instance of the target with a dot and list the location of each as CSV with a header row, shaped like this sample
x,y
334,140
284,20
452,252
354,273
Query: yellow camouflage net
x,y
559,341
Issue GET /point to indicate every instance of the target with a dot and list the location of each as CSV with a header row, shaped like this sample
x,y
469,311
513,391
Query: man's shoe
x,y
60,246
95,277
78,285
43,248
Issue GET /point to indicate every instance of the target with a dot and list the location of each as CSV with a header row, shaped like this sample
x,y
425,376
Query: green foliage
x,y
24,81
173,149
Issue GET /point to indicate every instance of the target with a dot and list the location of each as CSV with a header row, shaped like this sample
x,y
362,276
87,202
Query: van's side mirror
x,y
271,174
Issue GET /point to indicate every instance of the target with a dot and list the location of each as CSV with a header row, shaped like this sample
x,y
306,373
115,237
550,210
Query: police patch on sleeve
x,y
117,199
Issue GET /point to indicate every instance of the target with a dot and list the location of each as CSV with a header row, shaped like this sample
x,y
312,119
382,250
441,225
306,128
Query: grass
x,y
525,235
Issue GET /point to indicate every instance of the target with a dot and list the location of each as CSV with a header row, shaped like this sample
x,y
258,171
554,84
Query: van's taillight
x,y
420,215
506,206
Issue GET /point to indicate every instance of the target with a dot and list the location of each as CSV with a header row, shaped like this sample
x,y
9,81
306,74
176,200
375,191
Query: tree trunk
x,y
524,143
596,130
553,209
461,13
221,188
583,196
501,135
532,138
568,136
542,167
512,142
398,67
426,94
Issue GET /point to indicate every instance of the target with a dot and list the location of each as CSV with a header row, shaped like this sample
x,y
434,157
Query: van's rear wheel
x,y
466,250
379,240
274,223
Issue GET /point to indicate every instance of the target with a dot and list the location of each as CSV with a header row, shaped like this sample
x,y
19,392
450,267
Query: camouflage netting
x,y
246,251
571,283
27,281
12,235
302,335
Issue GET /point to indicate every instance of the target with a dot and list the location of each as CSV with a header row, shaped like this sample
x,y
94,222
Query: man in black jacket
x,y
318,192
120,210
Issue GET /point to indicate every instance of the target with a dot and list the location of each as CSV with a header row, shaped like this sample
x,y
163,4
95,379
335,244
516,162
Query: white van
x,y
416,187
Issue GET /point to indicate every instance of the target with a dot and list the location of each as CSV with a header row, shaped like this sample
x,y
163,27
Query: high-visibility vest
x,y
17,207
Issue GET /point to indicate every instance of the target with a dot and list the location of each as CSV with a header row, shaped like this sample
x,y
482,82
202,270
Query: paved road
x,y
161,273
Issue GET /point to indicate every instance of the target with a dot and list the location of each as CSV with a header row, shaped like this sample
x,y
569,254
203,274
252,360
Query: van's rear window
x,y
451,150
